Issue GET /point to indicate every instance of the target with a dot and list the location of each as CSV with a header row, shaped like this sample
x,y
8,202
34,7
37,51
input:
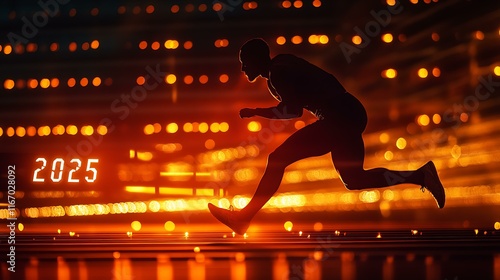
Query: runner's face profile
x,y
250,67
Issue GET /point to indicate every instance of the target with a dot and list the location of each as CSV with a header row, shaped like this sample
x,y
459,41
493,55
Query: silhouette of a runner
x,y
297,85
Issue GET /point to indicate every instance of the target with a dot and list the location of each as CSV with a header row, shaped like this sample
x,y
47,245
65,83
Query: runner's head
x,y
254,58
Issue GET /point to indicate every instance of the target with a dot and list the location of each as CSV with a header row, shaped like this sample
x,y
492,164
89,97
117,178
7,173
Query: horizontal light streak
x,y
407,198
187,173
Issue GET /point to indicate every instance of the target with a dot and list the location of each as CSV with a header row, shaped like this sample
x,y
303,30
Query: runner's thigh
x,y
312,140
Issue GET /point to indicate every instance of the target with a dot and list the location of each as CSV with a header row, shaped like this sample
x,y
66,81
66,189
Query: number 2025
x,y
56,173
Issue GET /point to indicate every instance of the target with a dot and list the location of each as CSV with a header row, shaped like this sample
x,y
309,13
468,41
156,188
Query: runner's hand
x,y
247,113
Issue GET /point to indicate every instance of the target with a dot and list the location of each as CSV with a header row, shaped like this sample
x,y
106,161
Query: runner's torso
x,y
298,83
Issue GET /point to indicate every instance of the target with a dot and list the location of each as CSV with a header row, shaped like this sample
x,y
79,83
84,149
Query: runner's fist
x,y
247,113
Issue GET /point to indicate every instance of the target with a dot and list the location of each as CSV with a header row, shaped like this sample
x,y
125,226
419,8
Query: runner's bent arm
x,y
281,111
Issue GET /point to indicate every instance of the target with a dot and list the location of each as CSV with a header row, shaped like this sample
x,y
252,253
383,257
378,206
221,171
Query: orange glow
x,y
176,191
423,73
389,73
140,80
224,78
95,44
71,82
435,37
43,131
94,11
188,127
136,10
7,49
356,39
496,70
217,7
280,40
8,84
175,9
155,46
214,127
188,45
387,38
464,117
84,82
251,5
384,138
96,81
391,2
85,46
203,127
479,35
288,226
296,39
436,118
72,47
388,155
102,130
10,131
136,225
313,39
323,39
436,72
172,128
223,126
31,131
54,82
150,9
221,43
203,79
149,129
58,130
209,144
171,44
54,47
170,79
144,156
299,124
20,131
297,4
318,226
286,4
254,126
202,8
188,79
157,127
317,3
401,143
71,130
19,49
32,83
143,45
87,130
20,84
169,226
